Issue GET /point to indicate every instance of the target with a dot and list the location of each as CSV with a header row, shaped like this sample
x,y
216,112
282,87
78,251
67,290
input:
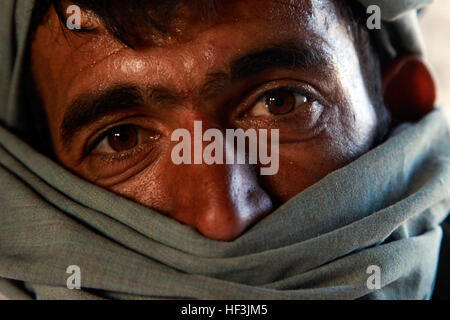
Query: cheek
x,y
357,115
358,118
349,133
304,164
150,188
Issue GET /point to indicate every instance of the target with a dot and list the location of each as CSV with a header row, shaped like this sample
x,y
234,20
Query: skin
x,y
337,124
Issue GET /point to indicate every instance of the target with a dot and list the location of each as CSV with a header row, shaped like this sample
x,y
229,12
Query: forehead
x,y
315,17
194,47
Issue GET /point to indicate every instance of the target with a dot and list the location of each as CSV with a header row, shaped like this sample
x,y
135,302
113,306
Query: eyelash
x,y
122,156
267,89
115,160
93,145
291,90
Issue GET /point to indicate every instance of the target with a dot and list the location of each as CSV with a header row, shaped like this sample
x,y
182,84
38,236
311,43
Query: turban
x,y
401,31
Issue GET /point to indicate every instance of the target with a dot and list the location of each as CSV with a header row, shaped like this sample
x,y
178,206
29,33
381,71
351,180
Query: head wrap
x,y
382,211
401,32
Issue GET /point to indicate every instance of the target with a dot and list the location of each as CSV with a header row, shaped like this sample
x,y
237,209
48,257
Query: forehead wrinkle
x,y
91,65
76,40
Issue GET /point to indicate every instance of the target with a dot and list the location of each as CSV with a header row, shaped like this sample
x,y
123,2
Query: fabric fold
x,y
384,209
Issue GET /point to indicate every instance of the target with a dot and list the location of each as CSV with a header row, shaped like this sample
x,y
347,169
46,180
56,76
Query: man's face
x,y
262,64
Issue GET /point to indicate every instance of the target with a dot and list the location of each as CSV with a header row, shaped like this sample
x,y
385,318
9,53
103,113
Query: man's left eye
x,y
124,138
278,102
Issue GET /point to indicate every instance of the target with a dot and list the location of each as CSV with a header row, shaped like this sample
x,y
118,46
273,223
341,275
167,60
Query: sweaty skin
x,y
186,76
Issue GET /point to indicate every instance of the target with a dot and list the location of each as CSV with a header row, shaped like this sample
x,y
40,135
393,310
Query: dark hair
x,y
133,21
130,21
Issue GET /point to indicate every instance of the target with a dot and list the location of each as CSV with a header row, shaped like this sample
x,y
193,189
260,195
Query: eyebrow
x,y
286,55
89,107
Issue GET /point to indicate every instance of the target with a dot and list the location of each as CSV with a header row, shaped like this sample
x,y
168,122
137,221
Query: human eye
x,y
294,107
119,151
278,102
122,139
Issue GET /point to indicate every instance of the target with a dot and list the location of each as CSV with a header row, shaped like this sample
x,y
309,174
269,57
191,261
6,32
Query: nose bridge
x,y
219,200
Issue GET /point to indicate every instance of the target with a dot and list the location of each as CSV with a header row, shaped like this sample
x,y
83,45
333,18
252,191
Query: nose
x,y
220,201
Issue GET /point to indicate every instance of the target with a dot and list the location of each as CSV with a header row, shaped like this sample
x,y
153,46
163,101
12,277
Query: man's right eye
x,y
122,139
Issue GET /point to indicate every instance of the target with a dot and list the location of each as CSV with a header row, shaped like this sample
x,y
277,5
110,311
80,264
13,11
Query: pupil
x,y
280,102
123,138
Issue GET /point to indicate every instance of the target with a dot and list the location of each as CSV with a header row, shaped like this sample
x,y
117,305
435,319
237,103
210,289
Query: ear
x,y
408,87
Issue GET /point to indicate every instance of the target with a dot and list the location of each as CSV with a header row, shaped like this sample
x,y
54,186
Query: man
x,y
106,100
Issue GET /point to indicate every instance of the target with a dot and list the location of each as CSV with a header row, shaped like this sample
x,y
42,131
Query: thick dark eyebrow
x,y
285,55
89,107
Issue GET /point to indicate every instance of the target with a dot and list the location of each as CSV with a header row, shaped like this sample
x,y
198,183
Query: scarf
x,y
380,213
